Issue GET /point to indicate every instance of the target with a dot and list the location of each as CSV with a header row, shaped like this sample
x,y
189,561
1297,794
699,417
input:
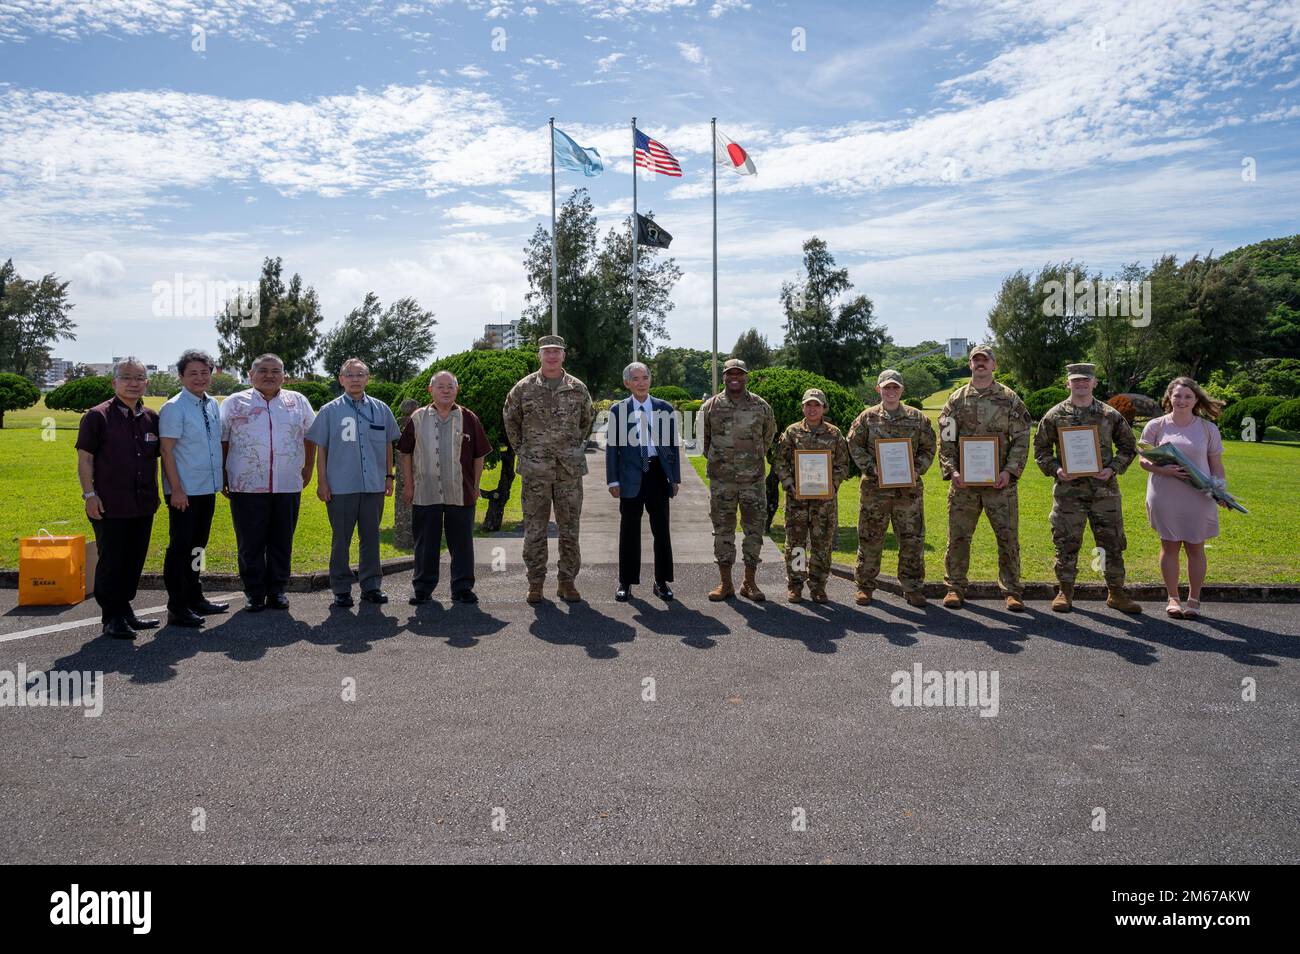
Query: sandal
x,y
1191,608
1173,609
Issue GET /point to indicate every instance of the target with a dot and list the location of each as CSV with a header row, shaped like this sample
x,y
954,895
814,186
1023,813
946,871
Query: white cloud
x,y
472,72
99,271
606,63
692,53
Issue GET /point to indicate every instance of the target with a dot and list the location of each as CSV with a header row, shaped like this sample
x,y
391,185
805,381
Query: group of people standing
x,y
739,428
260,447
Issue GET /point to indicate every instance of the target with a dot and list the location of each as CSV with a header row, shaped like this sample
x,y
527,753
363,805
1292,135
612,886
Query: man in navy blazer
x,y
643,469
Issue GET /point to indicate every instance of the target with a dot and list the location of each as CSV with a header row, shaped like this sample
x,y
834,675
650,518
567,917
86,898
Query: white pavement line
x,y
97,621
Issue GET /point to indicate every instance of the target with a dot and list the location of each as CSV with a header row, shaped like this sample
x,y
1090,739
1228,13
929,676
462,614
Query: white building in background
x,y
958,348
58,371
502,336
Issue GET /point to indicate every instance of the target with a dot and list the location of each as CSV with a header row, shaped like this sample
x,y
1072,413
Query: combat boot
x,y
819,594
1063,602
953,600
1117,598
794,593
863,597
748,588
915,598
724,589
568,592
535,591
1015,603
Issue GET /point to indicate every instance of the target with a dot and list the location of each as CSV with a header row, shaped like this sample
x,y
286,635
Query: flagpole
x,y
713,148
555,262
635,322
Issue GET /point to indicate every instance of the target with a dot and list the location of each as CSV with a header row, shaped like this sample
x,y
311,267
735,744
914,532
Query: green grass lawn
x,y
1261,547
40,490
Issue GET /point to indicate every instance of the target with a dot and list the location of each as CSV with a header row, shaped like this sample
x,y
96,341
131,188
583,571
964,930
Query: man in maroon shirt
x,y
117,464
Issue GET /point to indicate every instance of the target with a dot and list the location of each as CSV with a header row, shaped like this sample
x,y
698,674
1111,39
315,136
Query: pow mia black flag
x,y
648,232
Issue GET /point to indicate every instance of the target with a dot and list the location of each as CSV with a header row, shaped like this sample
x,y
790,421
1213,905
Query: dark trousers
x,y
264,526
653,499
188,531
121,546
427,524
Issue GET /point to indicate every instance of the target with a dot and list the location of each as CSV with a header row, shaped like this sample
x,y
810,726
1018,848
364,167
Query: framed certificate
x,y
980,460
894,466
812,475
1080,449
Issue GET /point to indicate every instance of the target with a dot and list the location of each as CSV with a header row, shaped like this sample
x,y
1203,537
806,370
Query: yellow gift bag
x,y
51,570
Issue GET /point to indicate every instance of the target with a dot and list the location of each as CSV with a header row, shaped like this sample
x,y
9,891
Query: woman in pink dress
x,y
1183,516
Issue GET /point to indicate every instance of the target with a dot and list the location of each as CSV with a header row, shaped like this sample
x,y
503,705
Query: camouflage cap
x,y
734,364
982,349
550,341
888,376
1080,371
815,394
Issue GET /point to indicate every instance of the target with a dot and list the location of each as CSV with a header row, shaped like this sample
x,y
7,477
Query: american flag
x,y
654,156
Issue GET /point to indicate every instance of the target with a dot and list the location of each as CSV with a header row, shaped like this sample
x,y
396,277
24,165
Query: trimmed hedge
x,y
385,391
16,394
1043,400
912,402
316,393
80,394
1258,408
1286,416
671,393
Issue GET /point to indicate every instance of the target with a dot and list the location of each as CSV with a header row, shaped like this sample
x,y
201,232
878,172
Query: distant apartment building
x,y
502,336
58,371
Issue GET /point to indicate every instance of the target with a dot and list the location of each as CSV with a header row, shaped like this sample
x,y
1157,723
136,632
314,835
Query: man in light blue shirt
x,y
354,437
189,426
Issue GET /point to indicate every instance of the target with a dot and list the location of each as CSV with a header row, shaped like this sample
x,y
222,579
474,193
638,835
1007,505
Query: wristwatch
x,y
89,495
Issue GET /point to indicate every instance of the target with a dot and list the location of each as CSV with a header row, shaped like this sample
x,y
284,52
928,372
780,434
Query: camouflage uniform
x,y
995,410
737,435
811,526
548,429
1084,500
905,506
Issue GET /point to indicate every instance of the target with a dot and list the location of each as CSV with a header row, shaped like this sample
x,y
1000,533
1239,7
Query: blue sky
x,y
402,148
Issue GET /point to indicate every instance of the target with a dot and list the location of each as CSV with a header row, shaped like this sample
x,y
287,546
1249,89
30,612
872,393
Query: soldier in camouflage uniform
x,y
811,526
904,506
548,417
984,408
738,430
1077,501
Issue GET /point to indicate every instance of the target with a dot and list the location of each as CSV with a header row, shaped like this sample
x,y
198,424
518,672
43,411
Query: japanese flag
x,y
732,156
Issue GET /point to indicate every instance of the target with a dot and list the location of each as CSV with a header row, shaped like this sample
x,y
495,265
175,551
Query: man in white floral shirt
x,y
268,461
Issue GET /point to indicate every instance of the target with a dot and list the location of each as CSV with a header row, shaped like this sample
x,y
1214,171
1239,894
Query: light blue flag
x,y
569,155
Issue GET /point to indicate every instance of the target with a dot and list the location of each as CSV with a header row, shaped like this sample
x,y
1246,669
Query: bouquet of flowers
x,y
1215,487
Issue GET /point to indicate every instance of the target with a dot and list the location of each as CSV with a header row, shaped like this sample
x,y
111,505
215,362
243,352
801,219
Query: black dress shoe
x,y
118,628
374,596
420,599
186,618
465,596
623,593
137,623
209,608
664,592
255,604
342,600
277,601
